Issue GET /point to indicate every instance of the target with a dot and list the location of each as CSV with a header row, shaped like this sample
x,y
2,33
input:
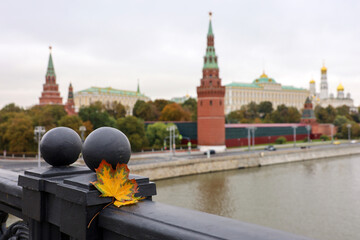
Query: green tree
x,y
340,122
47,115
156,133
354,131
11,108
145,111
190,105
284,114
160,104
265,108
74,122
96,115
133,128
115,109
174,112
19,133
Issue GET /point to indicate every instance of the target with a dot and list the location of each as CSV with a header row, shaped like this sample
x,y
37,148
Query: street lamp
x,y
332,133
249,136
308,128
82,129
38,132
253,130
294,127
349,127
171,130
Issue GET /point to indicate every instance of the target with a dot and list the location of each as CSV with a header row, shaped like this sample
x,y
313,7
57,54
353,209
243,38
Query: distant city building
x,y
324,99
70,105
50,93
107,96
210,104
260,90
180,100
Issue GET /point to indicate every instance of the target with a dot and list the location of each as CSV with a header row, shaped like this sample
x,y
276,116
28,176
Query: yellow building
x,y
260,90
107,96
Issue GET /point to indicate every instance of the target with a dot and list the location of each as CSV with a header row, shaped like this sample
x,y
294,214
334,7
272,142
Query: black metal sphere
x,y
60,146
106,143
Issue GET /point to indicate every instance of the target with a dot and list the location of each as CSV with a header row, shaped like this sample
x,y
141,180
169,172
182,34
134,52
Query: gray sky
x,y
162,43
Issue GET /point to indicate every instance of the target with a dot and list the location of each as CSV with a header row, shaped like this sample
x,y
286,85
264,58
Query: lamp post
x,y
308,128
332,133
171,130
253,130
38,132
294,127
349,134
249,136
82,129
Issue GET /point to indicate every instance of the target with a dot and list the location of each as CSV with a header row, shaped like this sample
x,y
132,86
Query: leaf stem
x,y
100,211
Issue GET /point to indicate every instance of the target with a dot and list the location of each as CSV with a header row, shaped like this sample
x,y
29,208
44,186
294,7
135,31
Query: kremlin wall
x,y
215,100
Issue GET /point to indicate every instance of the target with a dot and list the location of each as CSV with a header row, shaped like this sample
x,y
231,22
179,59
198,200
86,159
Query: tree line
x,y
17,124
265,113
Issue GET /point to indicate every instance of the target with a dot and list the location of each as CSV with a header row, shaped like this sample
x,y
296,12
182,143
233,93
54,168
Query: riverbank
x,y
183,167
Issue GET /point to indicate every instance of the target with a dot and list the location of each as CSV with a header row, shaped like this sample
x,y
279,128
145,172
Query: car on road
x,y
337,142
212,151
270,148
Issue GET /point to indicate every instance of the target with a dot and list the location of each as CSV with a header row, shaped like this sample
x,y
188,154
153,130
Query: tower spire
x,y
210,58
138,87
50,69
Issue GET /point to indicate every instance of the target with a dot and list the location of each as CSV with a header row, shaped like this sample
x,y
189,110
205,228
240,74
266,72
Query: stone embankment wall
x,y
184,167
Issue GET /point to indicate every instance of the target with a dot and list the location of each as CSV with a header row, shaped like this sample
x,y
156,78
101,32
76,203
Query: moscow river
x,y
318,199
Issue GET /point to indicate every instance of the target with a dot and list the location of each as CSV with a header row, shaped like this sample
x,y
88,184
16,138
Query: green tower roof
x,y
210,56
50,68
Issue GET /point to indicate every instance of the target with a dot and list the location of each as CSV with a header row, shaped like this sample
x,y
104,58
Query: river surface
x,y
318,199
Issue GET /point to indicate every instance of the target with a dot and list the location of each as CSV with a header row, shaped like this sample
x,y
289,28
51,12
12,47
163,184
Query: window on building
x,y
220,102
210,102
200,103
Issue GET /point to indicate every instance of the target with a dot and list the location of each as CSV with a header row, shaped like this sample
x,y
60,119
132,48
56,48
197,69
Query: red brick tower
x,y
210,106
50,93
70,106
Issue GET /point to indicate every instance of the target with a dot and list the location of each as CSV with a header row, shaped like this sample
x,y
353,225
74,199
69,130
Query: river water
x,y
318,199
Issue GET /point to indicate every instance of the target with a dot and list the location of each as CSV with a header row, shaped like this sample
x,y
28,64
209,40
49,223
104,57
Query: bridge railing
x,y
58,203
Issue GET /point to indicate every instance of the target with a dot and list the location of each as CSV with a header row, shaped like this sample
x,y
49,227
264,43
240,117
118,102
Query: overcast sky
x,y
162,43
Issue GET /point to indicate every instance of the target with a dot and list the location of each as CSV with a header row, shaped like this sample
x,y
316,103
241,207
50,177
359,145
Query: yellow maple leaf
x,y
116,183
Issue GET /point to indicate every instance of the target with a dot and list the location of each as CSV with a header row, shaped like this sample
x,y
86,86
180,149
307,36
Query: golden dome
x,y
340,87
323,69
264,75
312,81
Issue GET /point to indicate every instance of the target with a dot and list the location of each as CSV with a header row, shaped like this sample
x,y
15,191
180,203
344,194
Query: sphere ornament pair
x,y
61,146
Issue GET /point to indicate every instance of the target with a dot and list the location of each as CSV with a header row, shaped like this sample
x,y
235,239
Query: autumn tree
x,y
284,114
19,133
174,112
47,115
133,128
190,105
74,122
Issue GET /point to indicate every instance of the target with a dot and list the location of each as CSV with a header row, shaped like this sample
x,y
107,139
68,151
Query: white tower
x,y
312,88
323,84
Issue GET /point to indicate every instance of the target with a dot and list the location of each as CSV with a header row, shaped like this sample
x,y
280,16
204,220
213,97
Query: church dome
x,y
323,69
264,79
340,87
312,81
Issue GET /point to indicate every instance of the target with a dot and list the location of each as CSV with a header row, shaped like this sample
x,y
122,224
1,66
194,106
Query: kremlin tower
x,y
210,105
70,106
50,93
